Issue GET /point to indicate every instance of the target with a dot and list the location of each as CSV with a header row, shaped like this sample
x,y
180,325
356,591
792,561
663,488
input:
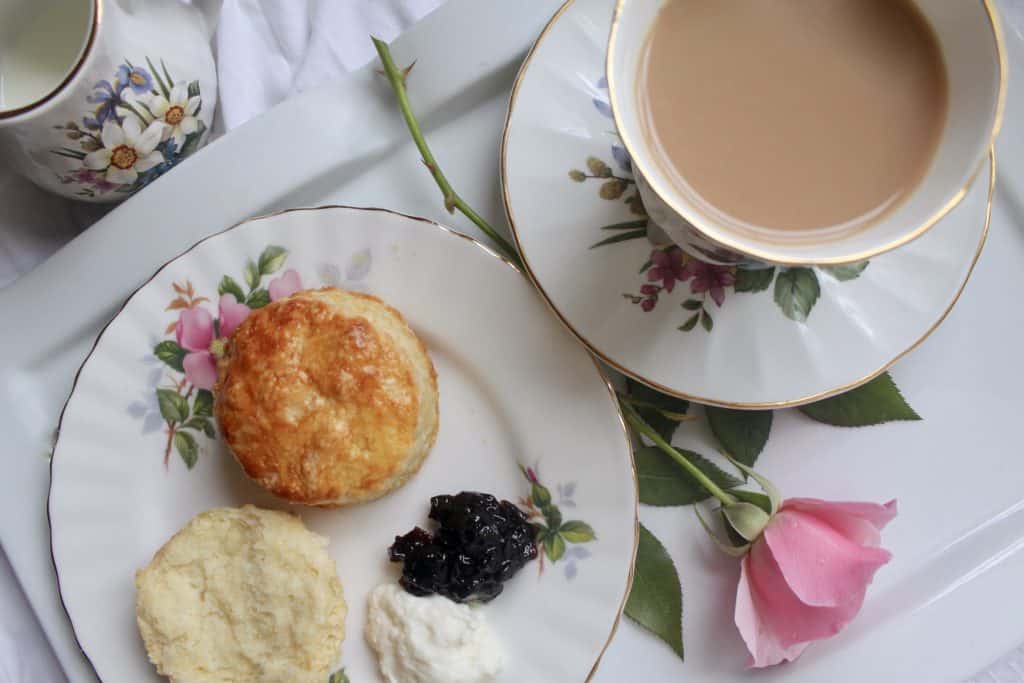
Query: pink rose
x,y
806,575
195,334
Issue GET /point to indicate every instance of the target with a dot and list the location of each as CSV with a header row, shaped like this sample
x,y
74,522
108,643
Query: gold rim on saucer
x,y
725,241
487,250
703,399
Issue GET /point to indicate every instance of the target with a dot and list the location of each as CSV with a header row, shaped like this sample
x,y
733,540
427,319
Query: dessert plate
x,y
524,411
745,338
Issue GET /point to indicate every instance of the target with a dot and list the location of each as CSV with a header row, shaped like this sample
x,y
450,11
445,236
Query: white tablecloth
x,y
267,50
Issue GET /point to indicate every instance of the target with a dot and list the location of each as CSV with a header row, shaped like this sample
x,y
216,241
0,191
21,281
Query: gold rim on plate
x,y
443,228
702,226
705,399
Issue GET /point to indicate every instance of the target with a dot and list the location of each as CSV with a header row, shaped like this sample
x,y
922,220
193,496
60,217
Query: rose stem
x,y
648,431
452,200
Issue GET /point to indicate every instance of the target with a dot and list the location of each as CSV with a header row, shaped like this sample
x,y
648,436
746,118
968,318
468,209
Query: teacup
x,y
970,39
100,97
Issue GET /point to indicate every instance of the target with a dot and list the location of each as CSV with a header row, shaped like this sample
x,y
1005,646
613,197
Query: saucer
x,y
752,337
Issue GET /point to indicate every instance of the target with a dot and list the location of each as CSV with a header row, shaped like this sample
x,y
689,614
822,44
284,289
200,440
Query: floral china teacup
x,y
98,98
970,40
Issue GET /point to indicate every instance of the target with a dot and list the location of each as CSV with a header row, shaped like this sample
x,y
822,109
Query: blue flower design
x,y
601,102
605,109
621,157
565,494
136,78
172,155
108,97
574,555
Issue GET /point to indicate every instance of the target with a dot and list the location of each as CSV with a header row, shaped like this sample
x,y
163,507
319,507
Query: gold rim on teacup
x,y
83,55
696,231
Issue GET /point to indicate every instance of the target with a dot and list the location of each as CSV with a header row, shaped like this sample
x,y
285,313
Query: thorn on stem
x,y
406,71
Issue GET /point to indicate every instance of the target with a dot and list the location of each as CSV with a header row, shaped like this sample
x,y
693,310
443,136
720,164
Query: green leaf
x,y
202,404
193,91
553,516
742,433
873,403
554,546
849,271
173,405
628,225
258,299
575,531
191,143
167,75
690,324
652,416
621,237
753,280
272,259
229,286
69,153
540,495
252,275
693,304
201,424
170,353
656,600
706,322
796,291
165,89
665,482
338,677
187,448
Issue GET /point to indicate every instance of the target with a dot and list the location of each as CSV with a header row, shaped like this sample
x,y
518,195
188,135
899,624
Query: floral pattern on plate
x,y
795,292
557,539
143,123
185,399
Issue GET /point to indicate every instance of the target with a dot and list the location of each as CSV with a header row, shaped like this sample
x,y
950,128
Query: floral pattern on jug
x,y
141,125
137,97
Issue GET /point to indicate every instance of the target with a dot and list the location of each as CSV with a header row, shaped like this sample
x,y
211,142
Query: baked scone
x,y
327,397
242,595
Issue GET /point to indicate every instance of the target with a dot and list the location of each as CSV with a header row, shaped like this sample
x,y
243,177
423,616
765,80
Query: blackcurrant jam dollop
x,y
480,543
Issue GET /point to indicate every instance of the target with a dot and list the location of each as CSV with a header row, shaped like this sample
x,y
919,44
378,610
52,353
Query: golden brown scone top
x,y
327,397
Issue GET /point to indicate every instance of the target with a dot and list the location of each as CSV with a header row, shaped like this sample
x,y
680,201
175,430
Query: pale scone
x,y
242,595
327,398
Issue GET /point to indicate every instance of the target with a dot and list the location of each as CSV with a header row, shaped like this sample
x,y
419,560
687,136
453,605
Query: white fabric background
x,y
267,50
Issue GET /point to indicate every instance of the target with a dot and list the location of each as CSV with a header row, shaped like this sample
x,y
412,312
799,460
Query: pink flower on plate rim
x,y
284,286
202,337
195,334
805,577
667,267
709,278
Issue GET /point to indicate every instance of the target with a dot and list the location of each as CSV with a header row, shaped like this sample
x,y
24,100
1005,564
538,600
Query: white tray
x,y
948,605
